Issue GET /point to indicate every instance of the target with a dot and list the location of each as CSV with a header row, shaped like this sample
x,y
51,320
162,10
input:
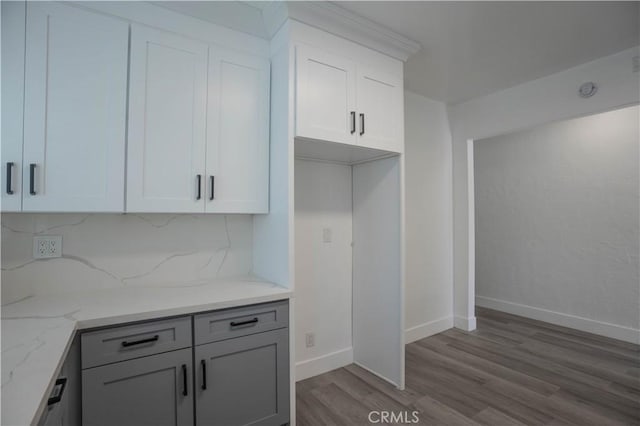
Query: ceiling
x,y
471,49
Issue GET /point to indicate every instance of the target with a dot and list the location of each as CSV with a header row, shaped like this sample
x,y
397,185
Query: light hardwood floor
x,y
510,371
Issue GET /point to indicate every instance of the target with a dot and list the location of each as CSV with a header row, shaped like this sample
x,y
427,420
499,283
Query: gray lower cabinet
x,y
223,368
64,402
244,380
153,390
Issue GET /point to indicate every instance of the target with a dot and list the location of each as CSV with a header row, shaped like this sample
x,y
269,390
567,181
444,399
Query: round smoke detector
x,y
587,90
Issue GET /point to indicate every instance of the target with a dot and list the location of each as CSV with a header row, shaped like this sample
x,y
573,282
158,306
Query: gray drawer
x,y
115,344
236,322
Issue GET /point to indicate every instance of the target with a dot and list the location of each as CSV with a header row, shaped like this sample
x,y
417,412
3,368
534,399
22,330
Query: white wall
x,y
428,206
116,250
540,101
557,222
323,270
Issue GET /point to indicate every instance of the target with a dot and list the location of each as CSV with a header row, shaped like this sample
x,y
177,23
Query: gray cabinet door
x,y
65,409
243,381
72,415
143,391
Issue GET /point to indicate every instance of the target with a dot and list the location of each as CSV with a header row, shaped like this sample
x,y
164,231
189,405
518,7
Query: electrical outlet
x,y
43,248
310,340
47,246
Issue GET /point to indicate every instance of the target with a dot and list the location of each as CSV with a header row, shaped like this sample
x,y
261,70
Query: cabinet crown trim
x,y
334,19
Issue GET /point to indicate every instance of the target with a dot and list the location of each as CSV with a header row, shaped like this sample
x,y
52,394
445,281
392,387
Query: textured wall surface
x,y
557,217
534,103
111,250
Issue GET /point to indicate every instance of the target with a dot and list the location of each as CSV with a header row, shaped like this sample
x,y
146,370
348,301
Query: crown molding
x,y
334,19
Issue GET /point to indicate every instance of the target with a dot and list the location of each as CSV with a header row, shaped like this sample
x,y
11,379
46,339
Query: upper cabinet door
x,y
380,110
167,122
13,21
325,96
237,133
75,110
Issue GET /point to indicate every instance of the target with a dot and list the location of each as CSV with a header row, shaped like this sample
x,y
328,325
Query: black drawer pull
x,y
203,363
238,324
32,179
58,390
184,380
126,344
9,176
212,183
199,187
361,124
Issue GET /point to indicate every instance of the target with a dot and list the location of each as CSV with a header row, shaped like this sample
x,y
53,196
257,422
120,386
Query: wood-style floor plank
x,y
510,371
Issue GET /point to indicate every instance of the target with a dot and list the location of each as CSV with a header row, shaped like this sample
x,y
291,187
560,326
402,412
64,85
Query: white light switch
x,y
326,235
47,246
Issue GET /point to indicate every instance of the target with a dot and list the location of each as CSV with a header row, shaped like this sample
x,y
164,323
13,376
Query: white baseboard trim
x,y
465,323
322,364
606,329
427,329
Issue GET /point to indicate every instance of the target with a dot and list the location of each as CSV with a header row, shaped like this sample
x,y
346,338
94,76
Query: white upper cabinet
x,y
13,16
198,127
325,96
380,110
103,115
339,100
237,133
74,110
167,122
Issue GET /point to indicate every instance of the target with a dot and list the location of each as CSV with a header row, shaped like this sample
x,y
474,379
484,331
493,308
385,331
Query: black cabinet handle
x,y
184,380
9,176
32,179
199,187
126,344
353,122
58,390
361,124
212,181
203,363
237,324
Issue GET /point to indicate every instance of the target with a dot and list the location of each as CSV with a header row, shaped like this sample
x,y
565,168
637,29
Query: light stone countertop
x,y
37,330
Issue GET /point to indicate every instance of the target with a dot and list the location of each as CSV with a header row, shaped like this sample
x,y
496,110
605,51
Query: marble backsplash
x,y
112,250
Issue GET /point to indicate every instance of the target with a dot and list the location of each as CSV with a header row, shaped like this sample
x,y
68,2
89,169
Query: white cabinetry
x,y
74,110
13,16
380,110
198,127
198,115
324,89
325,96
237,133
167,122
338,100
